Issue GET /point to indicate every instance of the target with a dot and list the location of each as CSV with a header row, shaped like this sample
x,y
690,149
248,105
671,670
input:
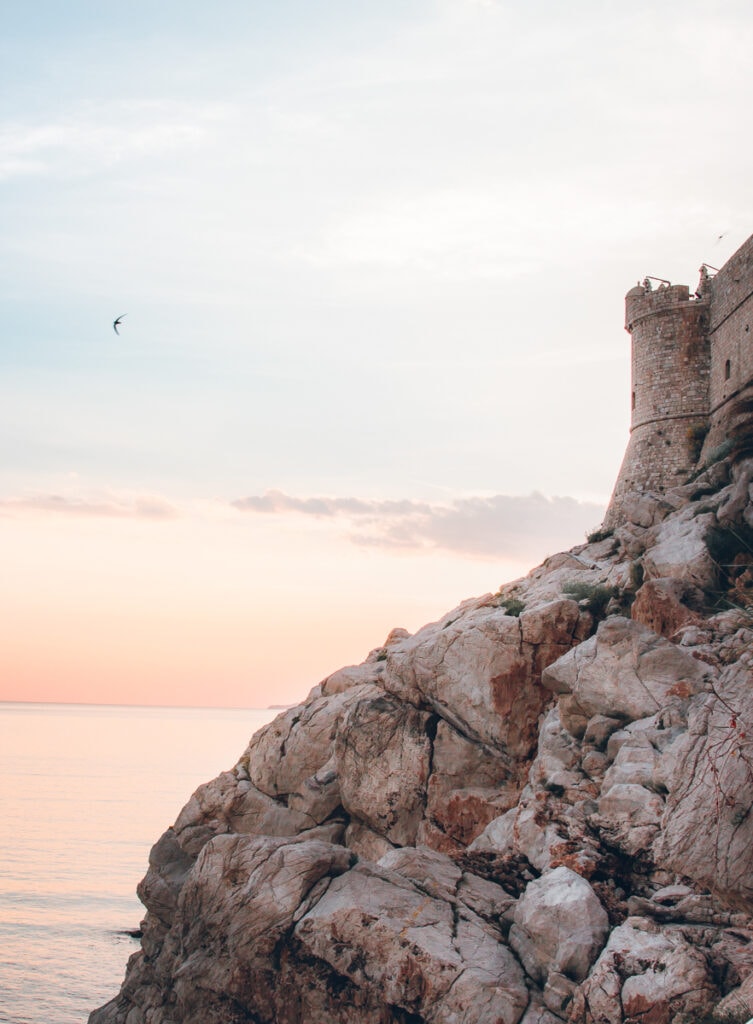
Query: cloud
x,y
103,508
277,501
497,526
98,136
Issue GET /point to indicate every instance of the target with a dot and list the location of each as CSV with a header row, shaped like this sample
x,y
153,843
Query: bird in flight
x,y
117,321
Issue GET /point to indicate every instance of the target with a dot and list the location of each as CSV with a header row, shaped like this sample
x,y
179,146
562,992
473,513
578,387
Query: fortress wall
x,y
670,380
731,336
692,364
670,364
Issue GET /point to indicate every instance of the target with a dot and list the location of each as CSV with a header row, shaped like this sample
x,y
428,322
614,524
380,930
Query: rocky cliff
x,y
536,810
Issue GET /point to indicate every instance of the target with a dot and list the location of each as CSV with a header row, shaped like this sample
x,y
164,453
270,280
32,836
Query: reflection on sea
x,y
84,793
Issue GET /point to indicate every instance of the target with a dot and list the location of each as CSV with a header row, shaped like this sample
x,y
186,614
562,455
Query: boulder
x,y
626,671
383,933
299,742
498,836
737,1005
667,605
679,550
635,764
238,903
395,740
474,672
471,671
630,816
560,926
469,786
646,974
370,671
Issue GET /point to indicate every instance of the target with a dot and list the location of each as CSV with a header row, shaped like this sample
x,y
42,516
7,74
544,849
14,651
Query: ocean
x,y
84,793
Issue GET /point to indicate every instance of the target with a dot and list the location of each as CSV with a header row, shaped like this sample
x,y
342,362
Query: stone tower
x,y
692,376
670,388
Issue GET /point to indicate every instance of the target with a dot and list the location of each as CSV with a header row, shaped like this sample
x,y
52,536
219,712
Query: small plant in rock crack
x,y
512,605
597,534
594,597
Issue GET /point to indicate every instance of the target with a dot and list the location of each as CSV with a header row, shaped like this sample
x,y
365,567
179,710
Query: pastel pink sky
x,y
211,605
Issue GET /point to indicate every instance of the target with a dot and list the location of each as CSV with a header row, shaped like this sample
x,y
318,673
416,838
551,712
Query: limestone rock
x,y
469,786
365,843
395,740
352,675
666,605
560,926
471,671
708,825
498,836
381,932
631,816
299,742
737,1005
626,670
644,970
680,550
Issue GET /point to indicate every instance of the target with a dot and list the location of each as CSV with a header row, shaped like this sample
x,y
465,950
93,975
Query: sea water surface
x,y
85,791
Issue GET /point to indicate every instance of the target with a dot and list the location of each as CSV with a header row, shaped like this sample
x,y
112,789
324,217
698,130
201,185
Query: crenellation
x,y
692,355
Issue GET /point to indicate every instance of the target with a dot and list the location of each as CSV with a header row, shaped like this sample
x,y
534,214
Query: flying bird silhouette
x,y
116,322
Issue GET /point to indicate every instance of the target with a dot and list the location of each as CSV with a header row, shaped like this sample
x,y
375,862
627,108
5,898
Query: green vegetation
x,y
512,605
598,534
720,452
594,597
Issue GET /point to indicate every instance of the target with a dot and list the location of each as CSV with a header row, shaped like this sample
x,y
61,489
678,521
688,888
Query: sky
x,y
372,261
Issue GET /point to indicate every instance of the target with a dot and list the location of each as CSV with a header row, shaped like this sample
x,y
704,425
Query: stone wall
x,y
730,333
670,389
692,361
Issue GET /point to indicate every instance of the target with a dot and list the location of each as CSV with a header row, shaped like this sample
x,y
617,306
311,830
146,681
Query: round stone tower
x,y
670,389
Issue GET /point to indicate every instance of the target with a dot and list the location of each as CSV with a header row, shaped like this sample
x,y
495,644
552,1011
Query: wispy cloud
x,y
278,501
497,526
101,135
146,507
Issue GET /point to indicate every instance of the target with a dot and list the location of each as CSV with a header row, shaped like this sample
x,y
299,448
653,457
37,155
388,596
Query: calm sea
x,y
84,793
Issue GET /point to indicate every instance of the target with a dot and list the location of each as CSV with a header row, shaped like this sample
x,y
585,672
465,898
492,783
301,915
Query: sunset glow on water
x,y
84,793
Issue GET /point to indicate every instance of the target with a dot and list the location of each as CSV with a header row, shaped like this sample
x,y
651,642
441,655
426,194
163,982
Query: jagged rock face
x,y
707,830
504,819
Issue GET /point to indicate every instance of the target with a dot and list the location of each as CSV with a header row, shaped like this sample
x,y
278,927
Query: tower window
x,y
727,369
632,401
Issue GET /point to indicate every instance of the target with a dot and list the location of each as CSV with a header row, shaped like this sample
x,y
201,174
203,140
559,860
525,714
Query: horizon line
x,y
187,707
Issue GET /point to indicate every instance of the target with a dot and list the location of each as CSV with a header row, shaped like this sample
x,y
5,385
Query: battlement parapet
x,y
643,301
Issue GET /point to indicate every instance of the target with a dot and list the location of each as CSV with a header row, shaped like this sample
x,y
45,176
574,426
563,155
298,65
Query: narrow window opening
x,y
727,369
632,401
